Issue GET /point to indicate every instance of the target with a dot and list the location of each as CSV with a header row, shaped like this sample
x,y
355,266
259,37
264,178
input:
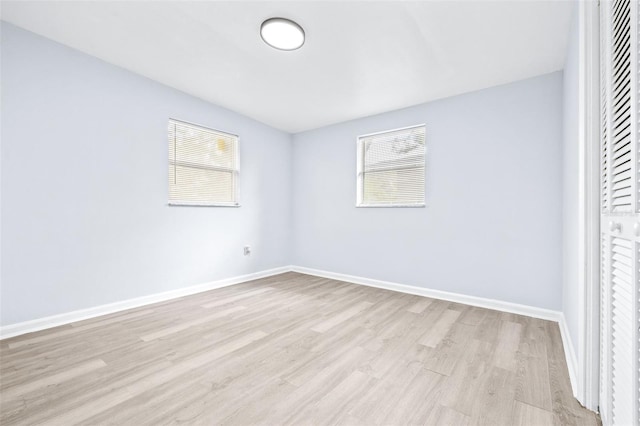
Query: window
x,y
391,168
203,166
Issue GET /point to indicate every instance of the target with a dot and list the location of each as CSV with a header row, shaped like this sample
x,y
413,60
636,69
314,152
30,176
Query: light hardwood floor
x,y
292,349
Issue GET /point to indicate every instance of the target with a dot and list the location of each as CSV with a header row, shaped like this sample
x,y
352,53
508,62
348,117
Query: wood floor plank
x,y
341,317
188,324
117,317
532,382
508,343
445,416
235,298
440,329
52,380
112,399
451,351
292,349
320,383
336,402
54,335
528,415
161,403
384,394
420,305
44,406
473,315
418,399
494,405
468,379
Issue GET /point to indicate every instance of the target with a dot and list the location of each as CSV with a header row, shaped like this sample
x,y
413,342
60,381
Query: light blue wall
x,y
493,222
570,288
85,219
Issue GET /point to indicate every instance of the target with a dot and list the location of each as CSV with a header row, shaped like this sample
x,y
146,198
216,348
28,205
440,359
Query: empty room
x,y
320,212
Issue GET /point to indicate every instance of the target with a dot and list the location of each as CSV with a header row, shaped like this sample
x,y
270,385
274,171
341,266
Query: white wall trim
x,y
586,352
587,360
569,354
17,329
514,308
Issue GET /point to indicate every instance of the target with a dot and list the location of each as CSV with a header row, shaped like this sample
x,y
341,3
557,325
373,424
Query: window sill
x,y
187,204
376,206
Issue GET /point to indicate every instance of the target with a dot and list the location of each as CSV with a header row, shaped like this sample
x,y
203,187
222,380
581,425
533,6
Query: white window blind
x,y
391,168
203,166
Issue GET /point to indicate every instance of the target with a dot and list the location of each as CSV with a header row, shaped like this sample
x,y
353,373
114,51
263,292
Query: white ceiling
x,y
360,58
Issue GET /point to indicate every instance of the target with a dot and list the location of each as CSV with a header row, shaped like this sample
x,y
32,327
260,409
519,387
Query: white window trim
x,y
236,188
587,391
360,165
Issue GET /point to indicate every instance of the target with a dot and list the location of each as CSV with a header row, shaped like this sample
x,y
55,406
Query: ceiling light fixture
x,y
282,34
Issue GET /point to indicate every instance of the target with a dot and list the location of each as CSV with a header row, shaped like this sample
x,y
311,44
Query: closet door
x,y
620,218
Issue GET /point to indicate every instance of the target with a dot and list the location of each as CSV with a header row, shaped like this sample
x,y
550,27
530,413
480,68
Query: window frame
x,y
236,171
360,171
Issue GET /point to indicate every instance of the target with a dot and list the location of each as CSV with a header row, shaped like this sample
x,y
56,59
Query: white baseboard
x,y
498,305
17,329
569,354
70,317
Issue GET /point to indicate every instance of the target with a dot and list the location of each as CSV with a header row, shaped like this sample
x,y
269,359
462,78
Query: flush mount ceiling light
x,y
282,34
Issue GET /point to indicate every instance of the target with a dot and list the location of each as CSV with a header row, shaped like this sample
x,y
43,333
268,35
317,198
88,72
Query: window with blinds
x,y
203,166
391,168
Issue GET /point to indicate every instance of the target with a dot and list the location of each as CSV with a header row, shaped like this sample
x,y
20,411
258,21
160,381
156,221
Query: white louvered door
x,y
620,217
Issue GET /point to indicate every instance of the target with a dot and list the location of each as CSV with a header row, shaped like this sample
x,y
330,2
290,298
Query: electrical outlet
x,y
247,250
